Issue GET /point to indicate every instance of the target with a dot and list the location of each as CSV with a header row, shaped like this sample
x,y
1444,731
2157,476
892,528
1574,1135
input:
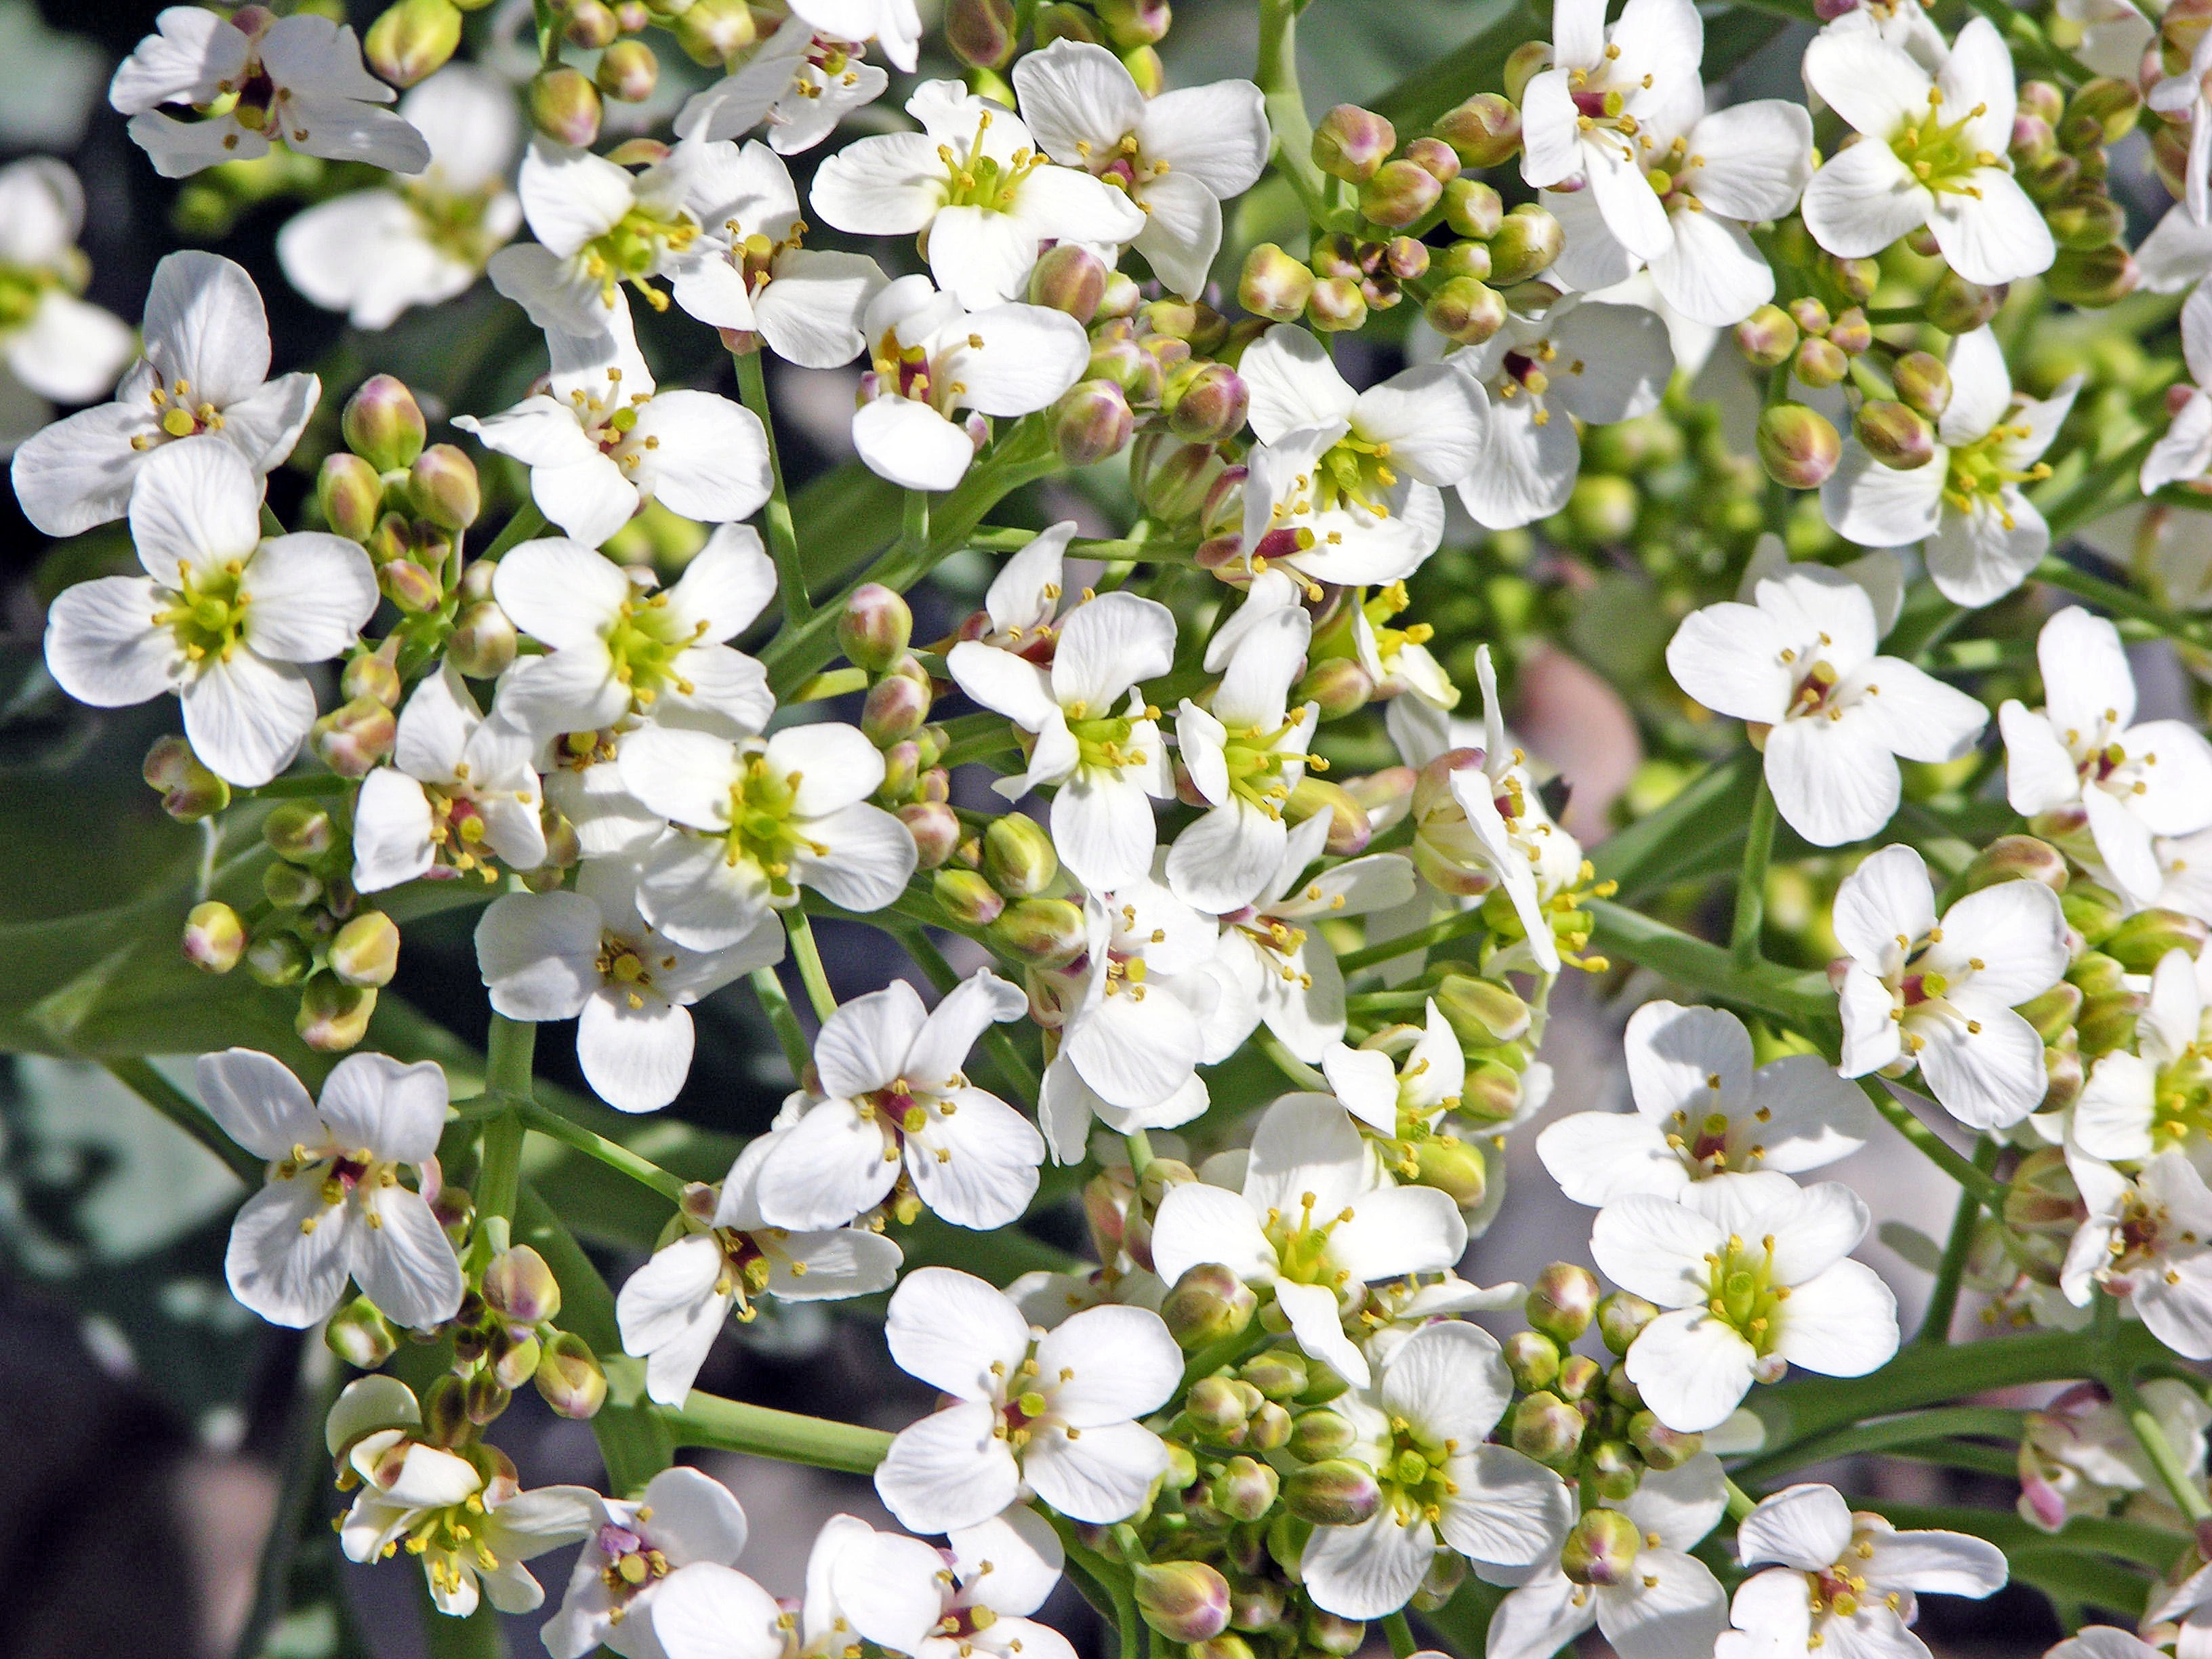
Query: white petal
x,y
257,1102
911,444
948,1470
1366,1570
949,1328
1691,1369
1842,1324
1863,199
1997,237
1103,1477
247,718
311,594
102,646
405,1263
275,1265
1126,1366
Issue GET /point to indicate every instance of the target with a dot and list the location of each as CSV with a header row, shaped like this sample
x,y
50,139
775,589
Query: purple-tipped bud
x,y
1219,1406
591,24
1207,403
1819,364
1273,285
980,33
1851,333
1244,1490
1473,209
383,424
1269,1428
564,106
1017,856
2141,942
896,709
1810,315
371,674
412,39
353,738
215,937
1337,1492
1662,1448
1579,1376
1466,311
514,1361
1434,157
2044,99
1527,240
935,829
1319,1435
712,32
569,1377
1562,1300
1257,1605
1601,1550
1058,20
1339,684
1767,336
415,590
349,494
1350,143
1958,306
1133,23
1405,258
1039,932
1336,305
1183,1601
443,485
966,898
189,791
2017,858
1484,131
2032,139
1533,1359
1482,1013
1796,445
1349,828
481,644
1923,382
366,950
1069,278
361,1335
876,628
1337,254
520,1288
1091,421
1401,192
1620,1316
333,1016
1548,1429
628,72
1894,435
2094,276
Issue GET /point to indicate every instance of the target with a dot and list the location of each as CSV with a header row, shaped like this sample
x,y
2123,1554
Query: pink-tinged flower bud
x,y
349,494
1183,1601
1406,258
2092,277
1894,435
1923,382
1039,932
1400,193
1017,856
1279,1374
935,829
1273,285
1484,1012
215,937
1523,65
980,33
2041,1199
896,709
627,72
1207,403
1601,1549
2032,139
333,1016
1336,305
383,424
966,898
287,887
1269,1428
353,738
564,106
1767,336
1529,240
1349,828
2102,112
2085,222
442,484
1851,333
1129,366
1473,209
1384,796
514,1361
481,644
2043,100
1070,278
361,1335
1175,480
1820,364
300,832
1219,1406
1796,445
712,32
1058,20
409,585
189,791
1466,311
1533,1359
371,674
1336,254
2139,943
1335,1493
366,950
1318,1435
1958,306
1257,1605
1810,315
876,628
1620,1316
1244,1490
520,1288
591,24
2053,1012
411,39
569,1377
1132,23
1485,130
1350,143
2016,857
1563,1301
1662,1448
1123,296
1091,421
1434,157
1547,1428
1454,1167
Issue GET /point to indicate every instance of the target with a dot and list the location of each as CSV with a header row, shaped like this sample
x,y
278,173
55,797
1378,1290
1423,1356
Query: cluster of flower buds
x,y
985,35
1004,885
874,632
1797,444
2058,144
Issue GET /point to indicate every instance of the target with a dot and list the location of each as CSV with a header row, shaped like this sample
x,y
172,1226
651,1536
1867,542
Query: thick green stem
x,y
1975,1182
2173,1472
1740,1503
526,522
782,536
913,531
1800,999
1944,1297
1906,1429
709,1421
781,1016
808,956
1751,883
2120,601
1277,76
1437,932
1403,1645
510,1049
1290,1066
181,1109
1140,1153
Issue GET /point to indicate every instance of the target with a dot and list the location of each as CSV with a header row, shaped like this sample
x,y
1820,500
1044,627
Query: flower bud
x,y
1484,1012
1207,402
1208,1305
1068,277
569,1377
1256,1604
1473,210
333,1016
2041,1198
1273,285
712,32
1336,305
415,591
1465,311
2139,943
1350,143
1767,336
383,424
1547,1428
2053,1012
362,1336
896,707
1058,20
1563,1301
627,72
2085,220
349,494
353,738
1349,828
935,829
564,106
1485,130
1337,254
215,937
980,33
1183,1601
445,1412
1620,1316
482,642
876,629
1406,258
442,483
1526,244
966,899
2094,276
1133,23
1320,1434
288,887
1819,364
2104,109
1017,856
1269,1428
2093,913
1217,1405
366,950
189,791
520,1288
1454,1167
591,24
514,1361
1175,480
411,39
1810,315
1534,1359
1434,157
1339,684
1091,421
1244,1490
278,958
1894,435
1615,1469
1958,306
1601,1549
299,831
1796,445
1039,932
1337,1492
1662,1448
2016,857
1924,383
1579,1376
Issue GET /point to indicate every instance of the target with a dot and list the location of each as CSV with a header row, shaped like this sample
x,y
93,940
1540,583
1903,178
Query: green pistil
x,y
208,611
1412,1473
1978,472
1740,1291
21,289
1105,742
760,827
444,1538
636,248
1356,471
454,224
1939,154
1256,766
983,181
1301,1244
645,640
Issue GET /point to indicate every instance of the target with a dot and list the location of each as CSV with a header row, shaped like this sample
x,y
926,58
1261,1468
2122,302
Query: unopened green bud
x,y
1796,445
288,887
628,72
1527,240
1332,1634
514,1361
1485,130
366,950
189,791
278,957
1132,23
1207,403
1601,1550
2108,107
1219,1406
1339,684
1534,1359
1465,310
2017,858
1349,828
2093,913
333,1016
482,643
1039,932
362,1336
2093,276
2141,942
300,831
1256,1604
1447,1570
1337,1492
1894,434
2063,1076
1273,285
354,737
1017,856
1350,143
2054,1012
1091,421
1460,260
1855,278
1059,20
1620,1316
412,39
415,590
1810,316
1768,337
349,494
1279,1374
564,106
875,629
1406,258
1924,383
2042,1198
1183,1601
1602,507
591,24
1244,1490
370,674
2086,221
1491,1092
1615,1469
1547,1428
1662,1448
520,1288
896,709
2044,100
1174,480
569,1377
1563,1301
445,1412
443,485
980,33
1621,1387
1336,305
1579,1376
1069,277
1958,306
1819,364
1208,1305
215,937
1320,1434
1851,333
1473,210
1523,65
383,424
712,32
1483,1012
935,829
966,899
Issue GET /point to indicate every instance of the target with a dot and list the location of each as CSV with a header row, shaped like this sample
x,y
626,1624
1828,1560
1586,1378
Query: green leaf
x,y
1478,64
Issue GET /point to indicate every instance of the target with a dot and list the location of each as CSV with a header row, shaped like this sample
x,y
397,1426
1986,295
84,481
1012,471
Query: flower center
x,y
635,248
1939,153
644,641
452,222
1600,108
207,610
1412,1473
1024,1400
761,831
2182,1110
1980,473
1740,1291
975,179
177,416
631,1563
1525,371
1105,742
1355,472
451,1542
1705,1147
1257,761
905,371
458,828
1301,1244
21,289
343,1173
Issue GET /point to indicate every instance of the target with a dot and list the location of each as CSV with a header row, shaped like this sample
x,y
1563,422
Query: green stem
x,y
1290,1066
550,1123
1751,883
914,528
2172,1474
2120,601
782,536
808,956
1277,76
181,1109
1136,550
1437,932
1403,1645
1974,1182
781,1016
1801,999
2092,494
709,1421
526,522
509,1051
1740,1502
1905,1429
1014,1067
831,683
1943,1298
1140,1154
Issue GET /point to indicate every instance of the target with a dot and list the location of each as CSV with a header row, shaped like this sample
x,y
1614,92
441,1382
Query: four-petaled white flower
x,y
590,956
1388,1097
1744,1304
977,185
1942,996
1314,1223
1049,1412
373,253
1107,765
460,793
1933,152
1801,663
1707,1129
1178,155
222,618
801,83
1982,535
2134,782
2149,1239
1845,1581
894,1101
681,1517
54,345
206,370
333,1207
900,1595
299,79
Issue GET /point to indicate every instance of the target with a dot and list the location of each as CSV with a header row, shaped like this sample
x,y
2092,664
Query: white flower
x,y
1179,155
584,785
759,820
670,1310
1594,361
1982,535
588,956
681,1516
1594,113
1660,1602
333,1206
460,793
1801,663
1933,153
898,1594
1707,1130
1344,486
600,442
2113,35
2135,781
1106,767
52,344
222,618
1313,1222
1941,995
1275,945
1848,1581
801,83
751,275
617,651
1048,1412
895,25
2149,1239
714,1612
1389,1097
977,185
2184,452
2185,93
929,358
473,1534
1023,601
895,1100
2132,1107
2183,1599
373,253
206,370
2177,252
299,79
1744,1305
1423,1432
1722,170
1245,752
